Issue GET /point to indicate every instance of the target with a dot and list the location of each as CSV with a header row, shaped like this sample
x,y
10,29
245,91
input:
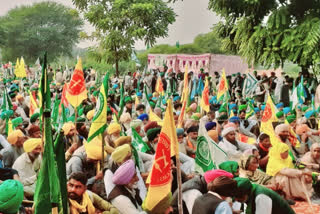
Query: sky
x,y
193,18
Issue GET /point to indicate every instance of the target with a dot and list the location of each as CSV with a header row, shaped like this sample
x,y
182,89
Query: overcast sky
x,y
193,18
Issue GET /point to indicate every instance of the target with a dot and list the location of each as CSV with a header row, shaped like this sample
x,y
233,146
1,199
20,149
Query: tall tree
x,y
122,22
28,31
270,32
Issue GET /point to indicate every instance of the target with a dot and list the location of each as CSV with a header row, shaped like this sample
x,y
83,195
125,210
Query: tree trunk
x,y
117,68
305,70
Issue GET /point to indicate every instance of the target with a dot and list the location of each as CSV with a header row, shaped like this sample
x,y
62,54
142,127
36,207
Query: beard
x,y
73,139
33,156
283,138
74,196
133,186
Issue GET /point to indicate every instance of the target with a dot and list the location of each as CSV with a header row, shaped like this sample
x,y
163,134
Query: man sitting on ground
x,y
82,200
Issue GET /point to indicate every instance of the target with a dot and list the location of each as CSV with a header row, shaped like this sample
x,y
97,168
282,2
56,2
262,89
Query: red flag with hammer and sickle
x,y
76,91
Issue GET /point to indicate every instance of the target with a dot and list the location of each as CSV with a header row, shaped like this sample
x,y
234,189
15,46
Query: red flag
x,y
77,91
64,100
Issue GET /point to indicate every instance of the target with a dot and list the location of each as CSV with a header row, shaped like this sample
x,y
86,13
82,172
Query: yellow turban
x,y
94,149
113,128
90,114
19,96
67,127
120,153
13,136
31,144
122,140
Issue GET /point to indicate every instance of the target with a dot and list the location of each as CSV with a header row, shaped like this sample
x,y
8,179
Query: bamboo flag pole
x,y
180,208
102,159
308,198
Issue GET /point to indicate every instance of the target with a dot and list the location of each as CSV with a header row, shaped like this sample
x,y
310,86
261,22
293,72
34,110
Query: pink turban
x,y
301,129
209,176
124,173
230,125
193,106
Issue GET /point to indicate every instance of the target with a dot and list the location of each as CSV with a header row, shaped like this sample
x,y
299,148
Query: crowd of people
x,y
257,175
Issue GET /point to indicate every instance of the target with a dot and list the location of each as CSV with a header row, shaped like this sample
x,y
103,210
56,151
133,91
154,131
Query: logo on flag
x,y
250,85
162,163
203,156
99,107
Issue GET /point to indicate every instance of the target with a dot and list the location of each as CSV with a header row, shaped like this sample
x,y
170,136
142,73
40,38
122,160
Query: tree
x,y
270,32
210,43
29,31
122,22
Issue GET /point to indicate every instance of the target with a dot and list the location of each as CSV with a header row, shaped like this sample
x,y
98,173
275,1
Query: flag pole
x,y
102,159
75,115
180,208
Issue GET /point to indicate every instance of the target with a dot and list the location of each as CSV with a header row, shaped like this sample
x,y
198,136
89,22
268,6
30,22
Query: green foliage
x,y
270,32
121,22
29,31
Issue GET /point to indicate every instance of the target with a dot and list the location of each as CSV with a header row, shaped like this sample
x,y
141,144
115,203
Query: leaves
x,y
31,30
270,32
122,22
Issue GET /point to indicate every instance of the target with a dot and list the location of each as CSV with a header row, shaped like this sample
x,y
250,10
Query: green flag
x,y
208,154
61,165
138,143
55,112
47,190
250,110
99,121
121,105
6,101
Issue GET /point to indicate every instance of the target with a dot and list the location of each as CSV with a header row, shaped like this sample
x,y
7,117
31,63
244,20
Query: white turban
x,y
227,130
281,128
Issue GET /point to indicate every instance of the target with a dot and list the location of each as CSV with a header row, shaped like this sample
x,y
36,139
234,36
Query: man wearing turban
x,y
28,165
85,160
113,133
197,186
82,200
153,136
137,126
214,201
11,196
230,145
72,138
260,199
12,152
125,195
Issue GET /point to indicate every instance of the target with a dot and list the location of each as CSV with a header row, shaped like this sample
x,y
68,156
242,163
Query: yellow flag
x,y
22,68
231,114
159,86
269,116
10,128
185,86
99,120
20,71
205,97
136,102
160,177
154,117
223,85
17,66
